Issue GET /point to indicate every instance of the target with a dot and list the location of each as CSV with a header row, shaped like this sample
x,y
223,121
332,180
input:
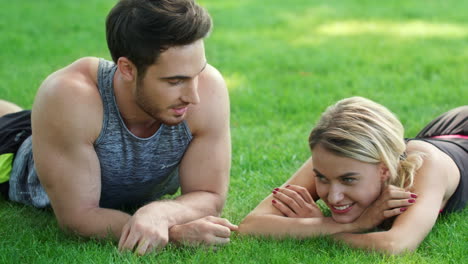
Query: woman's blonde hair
x,y
364,130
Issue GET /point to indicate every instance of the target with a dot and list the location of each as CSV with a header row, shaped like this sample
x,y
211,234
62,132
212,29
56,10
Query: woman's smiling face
x,y
346,185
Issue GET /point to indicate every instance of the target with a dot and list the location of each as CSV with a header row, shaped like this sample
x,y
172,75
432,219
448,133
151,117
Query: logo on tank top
x,y
164,166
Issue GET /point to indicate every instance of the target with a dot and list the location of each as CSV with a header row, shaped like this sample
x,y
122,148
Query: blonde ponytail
x,y
406,169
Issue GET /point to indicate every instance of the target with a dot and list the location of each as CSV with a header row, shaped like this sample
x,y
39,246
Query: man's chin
x,y
173,121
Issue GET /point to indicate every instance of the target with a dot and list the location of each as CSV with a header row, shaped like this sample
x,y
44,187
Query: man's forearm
x,y
102,222
96,222
186,208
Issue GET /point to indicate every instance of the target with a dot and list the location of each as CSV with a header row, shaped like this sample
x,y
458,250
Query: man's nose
x,y
190,94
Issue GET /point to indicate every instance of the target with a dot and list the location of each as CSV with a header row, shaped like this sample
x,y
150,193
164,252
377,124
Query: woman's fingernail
x,y
403,209
414,195
276,189
287,186
411,201
274,201
274,192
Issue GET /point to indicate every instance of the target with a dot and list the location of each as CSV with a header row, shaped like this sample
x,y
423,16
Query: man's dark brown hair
x,y
141,29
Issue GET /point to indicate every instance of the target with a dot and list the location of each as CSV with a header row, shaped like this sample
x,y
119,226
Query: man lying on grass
x,y
113,135
369,176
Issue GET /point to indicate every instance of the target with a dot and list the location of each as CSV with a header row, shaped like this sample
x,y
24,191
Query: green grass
x,y
284,63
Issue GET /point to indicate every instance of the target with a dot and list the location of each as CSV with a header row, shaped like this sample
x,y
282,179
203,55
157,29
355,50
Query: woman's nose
x,y
335,194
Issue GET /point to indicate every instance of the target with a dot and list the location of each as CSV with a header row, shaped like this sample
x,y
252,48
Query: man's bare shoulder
x,y
212,77
70,97
213,109
82,73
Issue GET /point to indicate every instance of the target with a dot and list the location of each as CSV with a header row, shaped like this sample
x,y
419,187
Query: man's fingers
x,y
218,240
130,242
147,245
123,237
223,222
222,227
222,231
143,247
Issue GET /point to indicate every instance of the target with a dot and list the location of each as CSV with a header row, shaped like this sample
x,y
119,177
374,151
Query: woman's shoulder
x,y
428,150
437,167
432,156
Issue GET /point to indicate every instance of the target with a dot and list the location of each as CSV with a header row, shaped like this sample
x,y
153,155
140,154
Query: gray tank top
x,y
134,170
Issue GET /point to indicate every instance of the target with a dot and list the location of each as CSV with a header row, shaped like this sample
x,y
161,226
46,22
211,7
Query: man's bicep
x,y
69,175
64,156
207,161
206,165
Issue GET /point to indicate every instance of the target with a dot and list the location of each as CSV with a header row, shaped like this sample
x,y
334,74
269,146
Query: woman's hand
x,y
295,201
392,201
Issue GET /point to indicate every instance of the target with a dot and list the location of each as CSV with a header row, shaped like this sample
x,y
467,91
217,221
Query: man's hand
x,y
295,201
209,230
144,233
392,201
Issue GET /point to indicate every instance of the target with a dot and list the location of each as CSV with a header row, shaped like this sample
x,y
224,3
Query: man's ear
x,y
384,172
127,69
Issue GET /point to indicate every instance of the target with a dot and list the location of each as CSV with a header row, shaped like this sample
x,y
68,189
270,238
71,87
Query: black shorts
x,y
14,129
453,122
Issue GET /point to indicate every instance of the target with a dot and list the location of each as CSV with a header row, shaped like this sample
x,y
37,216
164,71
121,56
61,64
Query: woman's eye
x,y
349,180
321,178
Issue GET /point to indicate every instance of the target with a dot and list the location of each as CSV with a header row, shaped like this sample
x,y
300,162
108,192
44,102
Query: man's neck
x,y
137,121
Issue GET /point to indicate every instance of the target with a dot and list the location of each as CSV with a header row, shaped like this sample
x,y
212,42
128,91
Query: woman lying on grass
x,y
365,172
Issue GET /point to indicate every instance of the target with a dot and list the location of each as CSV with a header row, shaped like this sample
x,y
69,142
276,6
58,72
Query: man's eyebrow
x,y
183,77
